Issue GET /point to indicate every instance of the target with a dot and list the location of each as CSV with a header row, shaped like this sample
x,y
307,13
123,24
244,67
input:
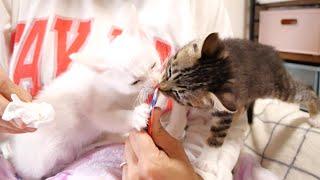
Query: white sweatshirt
x,y
37,36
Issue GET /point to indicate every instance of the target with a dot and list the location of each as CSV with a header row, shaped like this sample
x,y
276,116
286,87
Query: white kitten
x,y
97,94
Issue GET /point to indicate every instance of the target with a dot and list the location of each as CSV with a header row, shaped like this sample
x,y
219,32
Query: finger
x,y
29,129
5,130
20,126
15,124
19,91
130,156
131,167
10,130
21,131
130,172
142,145
165,141
7,87
125,172
20,123
11,127
7,124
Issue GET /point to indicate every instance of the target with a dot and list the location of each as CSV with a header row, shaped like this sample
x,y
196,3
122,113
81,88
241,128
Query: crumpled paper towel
x,y
31,113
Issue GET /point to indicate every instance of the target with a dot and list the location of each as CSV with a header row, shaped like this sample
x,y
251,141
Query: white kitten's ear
x,y
127,18
95,62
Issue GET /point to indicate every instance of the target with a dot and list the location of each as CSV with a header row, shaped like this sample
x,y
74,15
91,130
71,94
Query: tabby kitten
x,y
225,76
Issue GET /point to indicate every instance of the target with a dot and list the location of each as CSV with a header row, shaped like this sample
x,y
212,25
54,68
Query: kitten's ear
x,y
212,46
95,63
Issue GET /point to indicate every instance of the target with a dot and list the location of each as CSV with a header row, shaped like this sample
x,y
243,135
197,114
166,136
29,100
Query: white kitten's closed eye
x,y
135,82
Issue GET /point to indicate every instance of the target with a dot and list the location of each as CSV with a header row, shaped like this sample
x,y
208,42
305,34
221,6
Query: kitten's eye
x,y
135,82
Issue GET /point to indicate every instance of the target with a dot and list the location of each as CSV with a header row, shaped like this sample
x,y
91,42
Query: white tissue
x,y
31,113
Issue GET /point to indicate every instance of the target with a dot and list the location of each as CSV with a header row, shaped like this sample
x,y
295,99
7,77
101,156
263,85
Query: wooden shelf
x,y
254,26
291,3
256,7
302,58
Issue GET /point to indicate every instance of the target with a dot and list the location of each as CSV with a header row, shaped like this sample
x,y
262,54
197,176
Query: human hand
x,y
7,87
161,158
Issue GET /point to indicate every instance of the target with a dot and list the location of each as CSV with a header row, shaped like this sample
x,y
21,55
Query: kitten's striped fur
x,y
224,76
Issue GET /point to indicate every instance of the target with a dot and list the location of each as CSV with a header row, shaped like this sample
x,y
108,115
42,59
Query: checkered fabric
x,y
283,140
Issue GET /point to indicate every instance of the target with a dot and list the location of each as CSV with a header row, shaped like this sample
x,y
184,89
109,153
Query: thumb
x,y
164,140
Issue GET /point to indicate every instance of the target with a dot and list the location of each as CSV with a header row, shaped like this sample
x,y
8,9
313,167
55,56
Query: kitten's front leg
x,y
220,128
140,117
222,124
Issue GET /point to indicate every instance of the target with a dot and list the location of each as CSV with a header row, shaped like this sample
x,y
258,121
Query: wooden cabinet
x,y
296,42
293,28
292,31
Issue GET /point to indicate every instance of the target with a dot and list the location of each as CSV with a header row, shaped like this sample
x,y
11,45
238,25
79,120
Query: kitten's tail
x,y
297,92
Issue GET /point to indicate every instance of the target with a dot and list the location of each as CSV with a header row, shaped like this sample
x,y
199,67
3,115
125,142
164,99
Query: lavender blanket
x,y
103,163
100,163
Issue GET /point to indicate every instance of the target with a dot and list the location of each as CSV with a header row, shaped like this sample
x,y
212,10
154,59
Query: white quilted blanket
x,y
283,140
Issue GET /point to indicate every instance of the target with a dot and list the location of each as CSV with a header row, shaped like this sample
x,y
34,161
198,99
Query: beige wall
x,y
238,11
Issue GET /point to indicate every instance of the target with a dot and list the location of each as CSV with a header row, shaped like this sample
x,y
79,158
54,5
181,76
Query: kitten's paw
x,y
140,116
315,121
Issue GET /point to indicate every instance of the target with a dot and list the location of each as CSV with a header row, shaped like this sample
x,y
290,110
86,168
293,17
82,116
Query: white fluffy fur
x,y
88,101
